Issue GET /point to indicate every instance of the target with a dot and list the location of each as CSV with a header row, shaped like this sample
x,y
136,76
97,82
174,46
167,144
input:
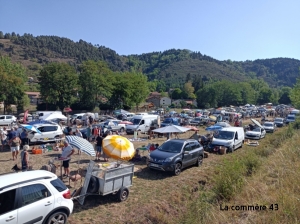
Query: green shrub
x,y
251,162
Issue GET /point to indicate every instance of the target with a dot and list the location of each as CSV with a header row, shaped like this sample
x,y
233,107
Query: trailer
x,y
114,178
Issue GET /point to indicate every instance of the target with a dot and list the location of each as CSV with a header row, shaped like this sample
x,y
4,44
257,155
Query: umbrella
x,y
81,144
171,129
212,117
213,128
125,122
67,110
118,147
56,116
192,128
30,128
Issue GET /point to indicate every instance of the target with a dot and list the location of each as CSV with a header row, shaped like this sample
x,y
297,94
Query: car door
x,y
35,204
2,120
187,155
8,119
8,206
194,151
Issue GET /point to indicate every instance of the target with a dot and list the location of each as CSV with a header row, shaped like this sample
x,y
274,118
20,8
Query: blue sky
x,y
238,30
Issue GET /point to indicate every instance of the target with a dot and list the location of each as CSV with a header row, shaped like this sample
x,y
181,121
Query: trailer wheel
x,y
123,194
93,185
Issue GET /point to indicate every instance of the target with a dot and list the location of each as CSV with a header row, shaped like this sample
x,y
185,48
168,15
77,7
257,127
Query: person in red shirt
x,y
152,148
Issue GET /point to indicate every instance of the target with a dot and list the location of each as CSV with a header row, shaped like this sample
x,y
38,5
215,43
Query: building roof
x,y
32,93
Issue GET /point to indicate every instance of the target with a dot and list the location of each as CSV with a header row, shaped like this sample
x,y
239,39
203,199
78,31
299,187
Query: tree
x,y
188,91
295,94
139,88
177,94
58,83
94,81
1,35
284,95
12,79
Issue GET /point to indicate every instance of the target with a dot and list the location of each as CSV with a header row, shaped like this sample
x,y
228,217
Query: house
x,y
34,97
165,101
188,102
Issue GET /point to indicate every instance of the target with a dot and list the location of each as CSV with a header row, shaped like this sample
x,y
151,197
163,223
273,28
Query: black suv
x,y
175,154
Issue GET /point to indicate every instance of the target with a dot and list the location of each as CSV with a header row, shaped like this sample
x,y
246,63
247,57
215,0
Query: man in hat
x,y
67,151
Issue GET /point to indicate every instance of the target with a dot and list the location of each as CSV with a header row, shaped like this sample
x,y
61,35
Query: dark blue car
x,y
175,154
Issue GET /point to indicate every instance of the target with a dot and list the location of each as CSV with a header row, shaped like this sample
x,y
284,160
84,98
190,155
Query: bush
x,y
251,163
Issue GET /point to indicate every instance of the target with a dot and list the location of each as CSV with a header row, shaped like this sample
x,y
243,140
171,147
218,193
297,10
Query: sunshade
x,y
81,144
67,110
56,116
212,117
171,129
213,128
30,128
118,147
192,128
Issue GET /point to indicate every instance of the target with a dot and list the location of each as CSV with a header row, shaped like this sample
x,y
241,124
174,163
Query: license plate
x,y
154,165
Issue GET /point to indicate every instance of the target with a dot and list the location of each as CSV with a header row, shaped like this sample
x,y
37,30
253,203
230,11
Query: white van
x,y
43,114
142,123
232,138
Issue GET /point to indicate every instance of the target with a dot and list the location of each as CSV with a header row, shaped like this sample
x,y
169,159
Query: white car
x,y
34,197
269,126
7,119
258,132
49,133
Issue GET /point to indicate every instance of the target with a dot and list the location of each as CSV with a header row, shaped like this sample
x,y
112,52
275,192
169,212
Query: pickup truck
x,y
114,125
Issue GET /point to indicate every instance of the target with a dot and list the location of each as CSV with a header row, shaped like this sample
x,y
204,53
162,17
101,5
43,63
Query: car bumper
x,y
161,166
252,137
269,130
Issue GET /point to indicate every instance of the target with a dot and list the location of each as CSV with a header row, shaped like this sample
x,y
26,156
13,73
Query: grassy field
x,y
250,175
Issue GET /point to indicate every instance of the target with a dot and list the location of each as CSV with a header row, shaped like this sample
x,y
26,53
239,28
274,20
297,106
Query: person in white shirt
x,y
67,151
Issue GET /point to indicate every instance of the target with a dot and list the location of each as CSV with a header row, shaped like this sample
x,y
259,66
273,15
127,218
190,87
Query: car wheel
x,y
57,217
123,194
177,169
93,185
199,161
122,129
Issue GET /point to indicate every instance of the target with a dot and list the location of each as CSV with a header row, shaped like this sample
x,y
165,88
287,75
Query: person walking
x,y
25,158
24,137
79,134
99,140
89,133
66,154
3,136
14,144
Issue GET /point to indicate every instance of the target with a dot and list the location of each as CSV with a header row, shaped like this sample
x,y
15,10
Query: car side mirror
x,y
186,152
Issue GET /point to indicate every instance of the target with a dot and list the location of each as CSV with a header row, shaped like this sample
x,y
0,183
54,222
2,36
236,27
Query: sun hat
x,y
26,147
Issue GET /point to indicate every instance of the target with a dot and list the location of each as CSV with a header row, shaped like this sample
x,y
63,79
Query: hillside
x,y
173,67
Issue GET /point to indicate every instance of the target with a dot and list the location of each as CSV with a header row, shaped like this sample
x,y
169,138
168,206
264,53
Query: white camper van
x,y
231,137
142,123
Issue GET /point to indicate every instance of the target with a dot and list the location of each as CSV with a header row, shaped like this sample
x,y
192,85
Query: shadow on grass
x,y
93,201
151,174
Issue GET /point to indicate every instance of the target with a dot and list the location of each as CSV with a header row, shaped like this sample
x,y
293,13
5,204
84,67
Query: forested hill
x,y
171,67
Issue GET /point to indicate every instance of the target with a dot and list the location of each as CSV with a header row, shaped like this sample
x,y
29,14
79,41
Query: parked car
x,y
34,197
257,132
269,126
197,121
279,121
49,132
175,154
7,119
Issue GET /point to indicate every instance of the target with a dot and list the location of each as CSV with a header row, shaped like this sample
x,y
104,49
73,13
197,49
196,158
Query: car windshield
x,y
171,146
268,124
278,120
291,117
256,130
227,135
136,121
197,119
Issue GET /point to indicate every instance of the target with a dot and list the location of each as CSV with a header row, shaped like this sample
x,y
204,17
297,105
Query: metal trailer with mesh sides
x,y
104,181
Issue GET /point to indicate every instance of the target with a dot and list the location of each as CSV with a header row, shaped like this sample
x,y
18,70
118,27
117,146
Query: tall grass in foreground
x,y
233,178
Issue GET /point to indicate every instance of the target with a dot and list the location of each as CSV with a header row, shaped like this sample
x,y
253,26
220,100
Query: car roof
x,y
182,140
11,179
39,125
